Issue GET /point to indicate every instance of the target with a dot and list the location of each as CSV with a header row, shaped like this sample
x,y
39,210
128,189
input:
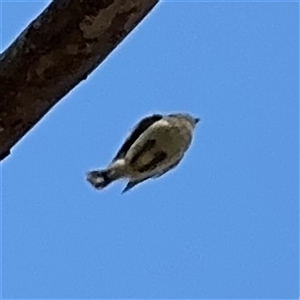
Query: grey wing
x,y
139,129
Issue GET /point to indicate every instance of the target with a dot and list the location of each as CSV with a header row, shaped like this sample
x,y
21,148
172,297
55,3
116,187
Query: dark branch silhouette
x,y
59,49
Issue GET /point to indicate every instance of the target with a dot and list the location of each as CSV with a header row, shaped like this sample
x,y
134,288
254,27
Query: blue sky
x,y
224,224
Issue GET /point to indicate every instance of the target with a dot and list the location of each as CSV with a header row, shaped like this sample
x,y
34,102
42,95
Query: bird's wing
x,y
133,183
168,168
137,131
158,158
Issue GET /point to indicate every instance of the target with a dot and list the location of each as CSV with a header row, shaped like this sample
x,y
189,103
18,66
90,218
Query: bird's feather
x,y
147,146
154,162
137,131
99,178
162,172
158,157
133,183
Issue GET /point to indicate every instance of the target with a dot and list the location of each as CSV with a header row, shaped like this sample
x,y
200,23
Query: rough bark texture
x,y
54,53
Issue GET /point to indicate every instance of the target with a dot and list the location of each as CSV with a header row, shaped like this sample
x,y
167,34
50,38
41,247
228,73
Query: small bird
x,y
155,146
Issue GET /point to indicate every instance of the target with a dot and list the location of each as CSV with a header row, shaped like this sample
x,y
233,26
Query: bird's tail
x,y
102,178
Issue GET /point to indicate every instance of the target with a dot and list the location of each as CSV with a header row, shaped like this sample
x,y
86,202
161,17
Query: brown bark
x,y
59,49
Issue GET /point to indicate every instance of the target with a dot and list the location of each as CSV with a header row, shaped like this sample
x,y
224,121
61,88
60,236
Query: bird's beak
x,y
197,120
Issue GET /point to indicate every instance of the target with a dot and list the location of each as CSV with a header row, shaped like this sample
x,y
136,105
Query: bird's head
x,y
186,117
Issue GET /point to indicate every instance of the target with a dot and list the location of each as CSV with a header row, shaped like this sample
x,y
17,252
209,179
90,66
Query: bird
x,y
155,146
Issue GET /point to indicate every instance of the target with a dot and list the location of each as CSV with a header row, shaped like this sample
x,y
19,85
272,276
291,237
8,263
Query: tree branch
x,y
60,48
